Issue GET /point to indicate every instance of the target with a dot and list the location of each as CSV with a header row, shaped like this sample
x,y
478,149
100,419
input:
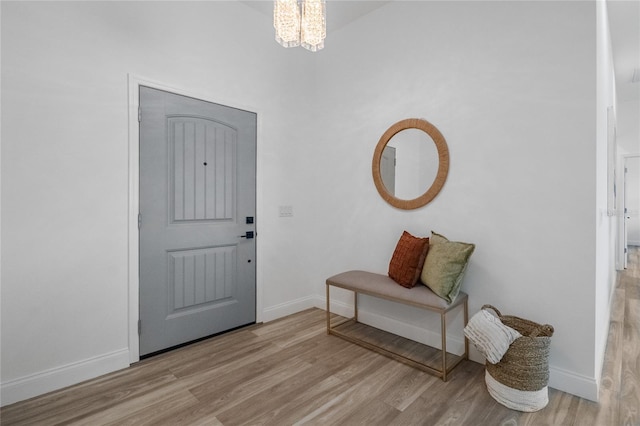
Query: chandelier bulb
x,y
300,25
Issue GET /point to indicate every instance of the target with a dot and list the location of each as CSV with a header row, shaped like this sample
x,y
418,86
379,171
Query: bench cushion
x,y
383,286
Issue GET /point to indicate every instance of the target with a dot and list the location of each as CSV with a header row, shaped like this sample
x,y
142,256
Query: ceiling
x,y
624,22
339,12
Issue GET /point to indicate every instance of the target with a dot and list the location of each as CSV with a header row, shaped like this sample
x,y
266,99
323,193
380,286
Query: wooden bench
x,y
381,286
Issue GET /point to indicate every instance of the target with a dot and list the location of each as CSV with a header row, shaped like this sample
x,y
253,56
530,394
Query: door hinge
x,y
139,327
139,114
139,221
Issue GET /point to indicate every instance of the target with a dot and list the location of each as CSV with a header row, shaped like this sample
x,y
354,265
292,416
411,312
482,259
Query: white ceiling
x,y
624,22
339,12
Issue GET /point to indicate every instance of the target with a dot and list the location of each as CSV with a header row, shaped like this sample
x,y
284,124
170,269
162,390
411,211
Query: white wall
x,y
65,165
628,127
511,85
628,140
606,221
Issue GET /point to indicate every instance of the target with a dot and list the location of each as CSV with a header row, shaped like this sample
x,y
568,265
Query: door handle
x,y
248,235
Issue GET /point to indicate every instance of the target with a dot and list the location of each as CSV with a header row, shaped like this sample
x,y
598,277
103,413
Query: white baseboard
x,y
59,377
455,344
411,331
563,380
575,384
338,308
288,308
56,378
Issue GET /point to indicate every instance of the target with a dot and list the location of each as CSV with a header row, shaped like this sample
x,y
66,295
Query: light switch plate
x,y
286,211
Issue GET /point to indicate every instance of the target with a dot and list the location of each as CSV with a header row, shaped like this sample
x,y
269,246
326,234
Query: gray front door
x,y
197,219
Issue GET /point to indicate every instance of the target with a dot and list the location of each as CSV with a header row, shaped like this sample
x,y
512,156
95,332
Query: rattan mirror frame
x,y
443,163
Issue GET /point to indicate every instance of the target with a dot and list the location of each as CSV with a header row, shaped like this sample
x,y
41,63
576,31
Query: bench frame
x,y
461,300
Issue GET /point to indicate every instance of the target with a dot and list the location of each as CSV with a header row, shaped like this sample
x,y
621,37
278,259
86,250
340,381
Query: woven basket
x,y
520,379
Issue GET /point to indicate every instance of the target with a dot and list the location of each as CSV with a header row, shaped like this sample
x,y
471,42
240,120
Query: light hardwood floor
x,y
290,372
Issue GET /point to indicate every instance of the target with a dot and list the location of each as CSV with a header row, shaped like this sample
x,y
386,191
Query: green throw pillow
x,y
445,266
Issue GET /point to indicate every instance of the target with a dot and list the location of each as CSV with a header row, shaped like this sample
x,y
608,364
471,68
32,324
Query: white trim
x,y
621,260
134,82
337,307
573,383
132,223
288,308
564,380
455,344
60,377
419,334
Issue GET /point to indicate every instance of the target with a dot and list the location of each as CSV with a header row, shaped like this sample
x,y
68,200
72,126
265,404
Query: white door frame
x,y
621,260
134,82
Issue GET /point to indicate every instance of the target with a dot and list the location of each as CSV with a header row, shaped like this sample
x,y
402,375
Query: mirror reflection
x,y
409,164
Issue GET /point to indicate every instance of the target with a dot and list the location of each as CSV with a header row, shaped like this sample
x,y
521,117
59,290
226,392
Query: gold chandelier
x,y
300,25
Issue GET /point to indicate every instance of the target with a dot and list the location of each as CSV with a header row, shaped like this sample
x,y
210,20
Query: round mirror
x,y
410,163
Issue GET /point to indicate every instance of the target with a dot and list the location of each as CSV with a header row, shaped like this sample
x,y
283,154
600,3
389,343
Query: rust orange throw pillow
x,y
407,260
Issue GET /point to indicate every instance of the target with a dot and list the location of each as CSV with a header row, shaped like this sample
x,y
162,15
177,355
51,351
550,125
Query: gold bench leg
x,y
466,320
443,325
328,311
355,305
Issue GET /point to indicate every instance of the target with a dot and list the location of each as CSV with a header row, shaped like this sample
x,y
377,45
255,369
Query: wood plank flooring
x,y
290,372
